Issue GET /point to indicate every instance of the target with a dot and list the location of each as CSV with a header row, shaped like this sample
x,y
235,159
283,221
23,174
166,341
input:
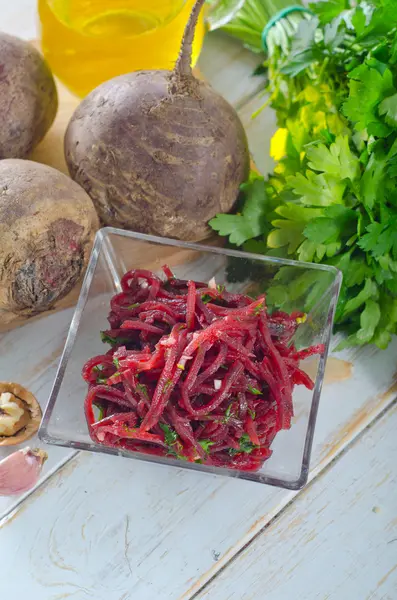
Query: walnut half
x,y
20,414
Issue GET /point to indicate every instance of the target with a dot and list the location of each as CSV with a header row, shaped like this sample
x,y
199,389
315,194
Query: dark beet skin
x,y
154,170
159,151
47,227
28,97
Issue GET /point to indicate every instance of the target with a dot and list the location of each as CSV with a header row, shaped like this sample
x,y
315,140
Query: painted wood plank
x,y
126,528
29,356
338,540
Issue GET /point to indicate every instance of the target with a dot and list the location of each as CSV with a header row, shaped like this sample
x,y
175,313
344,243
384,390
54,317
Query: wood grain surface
x,y
338,541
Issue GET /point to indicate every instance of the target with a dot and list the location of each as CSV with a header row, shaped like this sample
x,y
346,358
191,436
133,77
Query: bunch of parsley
x,y
333,195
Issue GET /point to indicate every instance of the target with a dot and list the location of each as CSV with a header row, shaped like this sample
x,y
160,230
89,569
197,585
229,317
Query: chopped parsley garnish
x,y
205,298
107,339
167,384
170,436
206,444
254,390
246,446
171,439
143,389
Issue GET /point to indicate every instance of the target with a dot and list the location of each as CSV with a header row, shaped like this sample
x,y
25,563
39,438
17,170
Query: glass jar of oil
x,y
87,42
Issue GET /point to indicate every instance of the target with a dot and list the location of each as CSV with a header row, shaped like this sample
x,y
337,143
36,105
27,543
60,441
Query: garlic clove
x,y
20,471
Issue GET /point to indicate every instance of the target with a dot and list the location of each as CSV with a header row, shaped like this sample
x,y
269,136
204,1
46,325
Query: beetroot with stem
x,y
159,151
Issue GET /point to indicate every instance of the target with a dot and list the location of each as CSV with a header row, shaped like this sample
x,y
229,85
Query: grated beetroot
x,y
195,372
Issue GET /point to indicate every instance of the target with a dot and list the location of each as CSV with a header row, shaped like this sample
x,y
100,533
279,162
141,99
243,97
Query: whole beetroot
x,y
47,228
28,97
159,151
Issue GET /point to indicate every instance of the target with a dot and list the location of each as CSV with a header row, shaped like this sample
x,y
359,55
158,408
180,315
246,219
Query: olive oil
x,y
87,42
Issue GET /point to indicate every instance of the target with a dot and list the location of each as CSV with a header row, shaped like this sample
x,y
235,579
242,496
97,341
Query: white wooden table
x,y
114,529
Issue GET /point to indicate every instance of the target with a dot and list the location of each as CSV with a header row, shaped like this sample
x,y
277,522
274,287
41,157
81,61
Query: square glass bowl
x,y
290,285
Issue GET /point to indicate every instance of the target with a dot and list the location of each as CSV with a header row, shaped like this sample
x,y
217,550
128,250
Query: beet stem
x,y
183,63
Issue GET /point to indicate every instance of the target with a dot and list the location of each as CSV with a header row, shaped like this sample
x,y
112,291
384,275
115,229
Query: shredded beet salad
x,y
194,372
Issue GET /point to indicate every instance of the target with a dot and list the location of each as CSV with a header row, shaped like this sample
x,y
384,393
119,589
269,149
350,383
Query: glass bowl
x,y
291,285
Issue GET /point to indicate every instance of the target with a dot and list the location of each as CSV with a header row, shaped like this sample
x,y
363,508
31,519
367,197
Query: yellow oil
x,y
87,42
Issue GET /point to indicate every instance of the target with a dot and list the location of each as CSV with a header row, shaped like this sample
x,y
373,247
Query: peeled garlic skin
x,y
20,471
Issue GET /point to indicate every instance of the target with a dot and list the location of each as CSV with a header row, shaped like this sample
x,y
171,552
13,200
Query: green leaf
x,y
254,391
372,181
295,212
317,190
369,290
170,436
206,445
308,250
359,20
252,221
356,272
246,445
388,108
337,160
368,321
288,233
107,339
337,221
380,238
327,11
222,12
320,230
367,88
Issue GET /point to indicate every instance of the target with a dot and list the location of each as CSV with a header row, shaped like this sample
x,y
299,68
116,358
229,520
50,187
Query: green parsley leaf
x,y
367,88
254,391
170,436
359,20
107,339
337,160
327,11
368,321
380,239
206,444
388,108
143,389
252,220
317,190
369,290
246,445
337,221
206,298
